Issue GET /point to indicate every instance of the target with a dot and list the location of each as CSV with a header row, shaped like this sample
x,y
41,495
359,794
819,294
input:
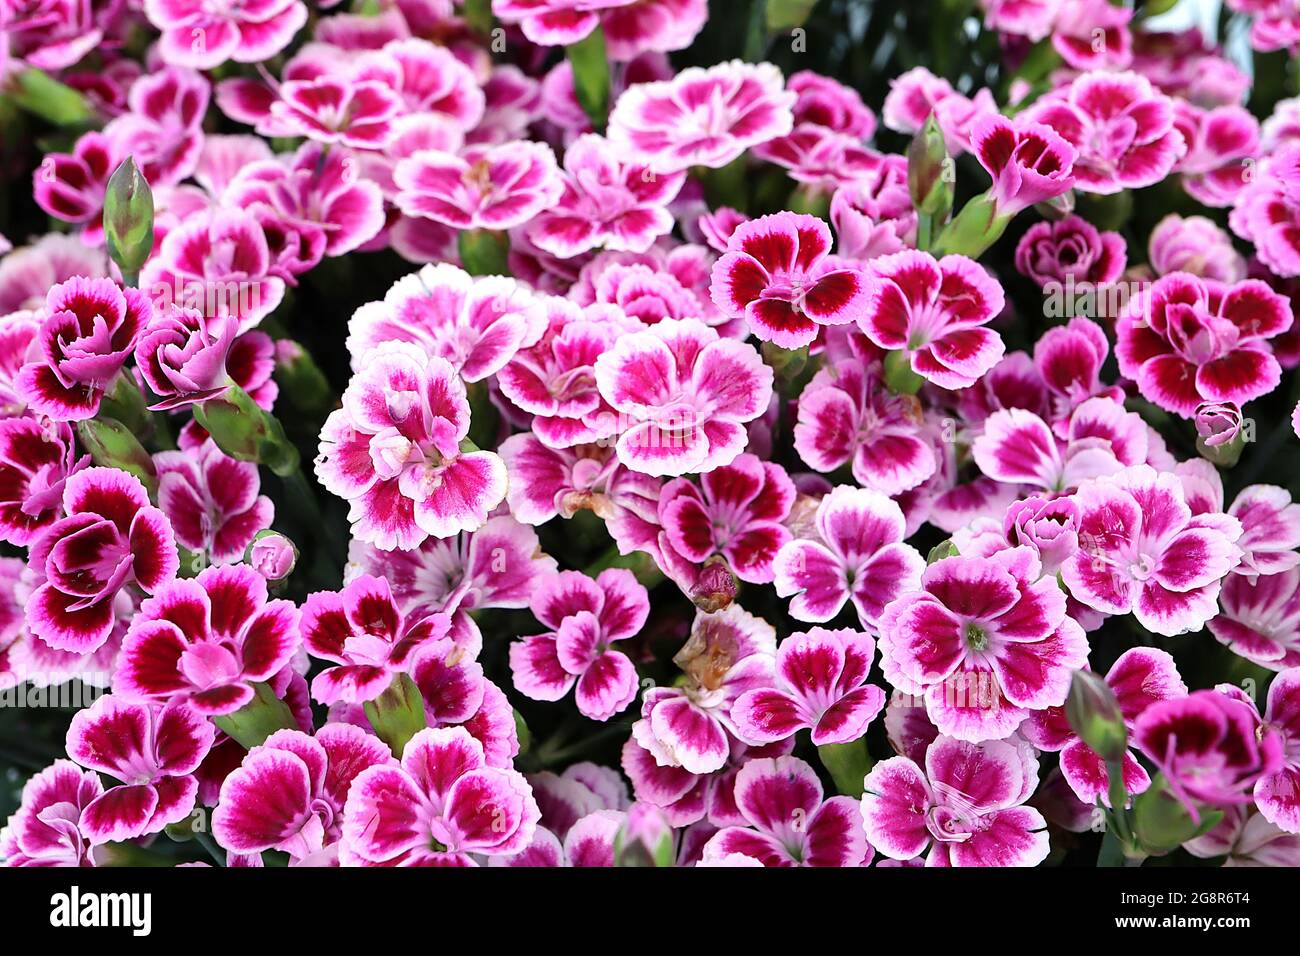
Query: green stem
x,y
756,36
924,231
210,845
1118,796
1112,850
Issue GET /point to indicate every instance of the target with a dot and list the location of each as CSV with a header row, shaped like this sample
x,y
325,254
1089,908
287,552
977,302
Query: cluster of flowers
x,y
634,349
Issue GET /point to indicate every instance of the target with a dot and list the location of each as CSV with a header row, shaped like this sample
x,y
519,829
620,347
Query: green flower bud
x,y
112,444
1057,208
128,219
930,182
787,364
1094,714
944,549
899,376
848,764
974,229
300,379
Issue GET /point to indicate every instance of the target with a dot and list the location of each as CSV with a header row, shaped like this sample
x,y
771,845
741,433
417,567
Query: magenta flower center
x,y
367,648
210,664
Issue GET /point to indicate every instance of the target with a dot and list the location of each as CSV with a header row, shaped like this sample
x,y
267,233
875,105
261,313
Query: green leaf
x,y
39,93
523,733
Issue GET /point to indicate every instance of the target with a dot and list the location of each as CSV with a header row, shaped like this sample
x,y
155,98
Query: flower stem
x,y
210,845
1112,849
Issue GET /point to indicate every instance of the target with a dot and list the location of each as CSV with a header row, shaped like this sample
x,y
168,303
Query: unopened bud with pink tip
x,y
1220,432
715,586
272,555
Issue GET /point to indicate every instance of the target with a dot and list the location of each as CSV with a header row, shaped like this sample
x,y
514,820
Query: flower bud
x,y
300,379
272,555
113,445
944,549
715,586
128,219
644,839
786,364
1220,437
1049,526
900,377
848,764
1094,714
258,719
929,179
